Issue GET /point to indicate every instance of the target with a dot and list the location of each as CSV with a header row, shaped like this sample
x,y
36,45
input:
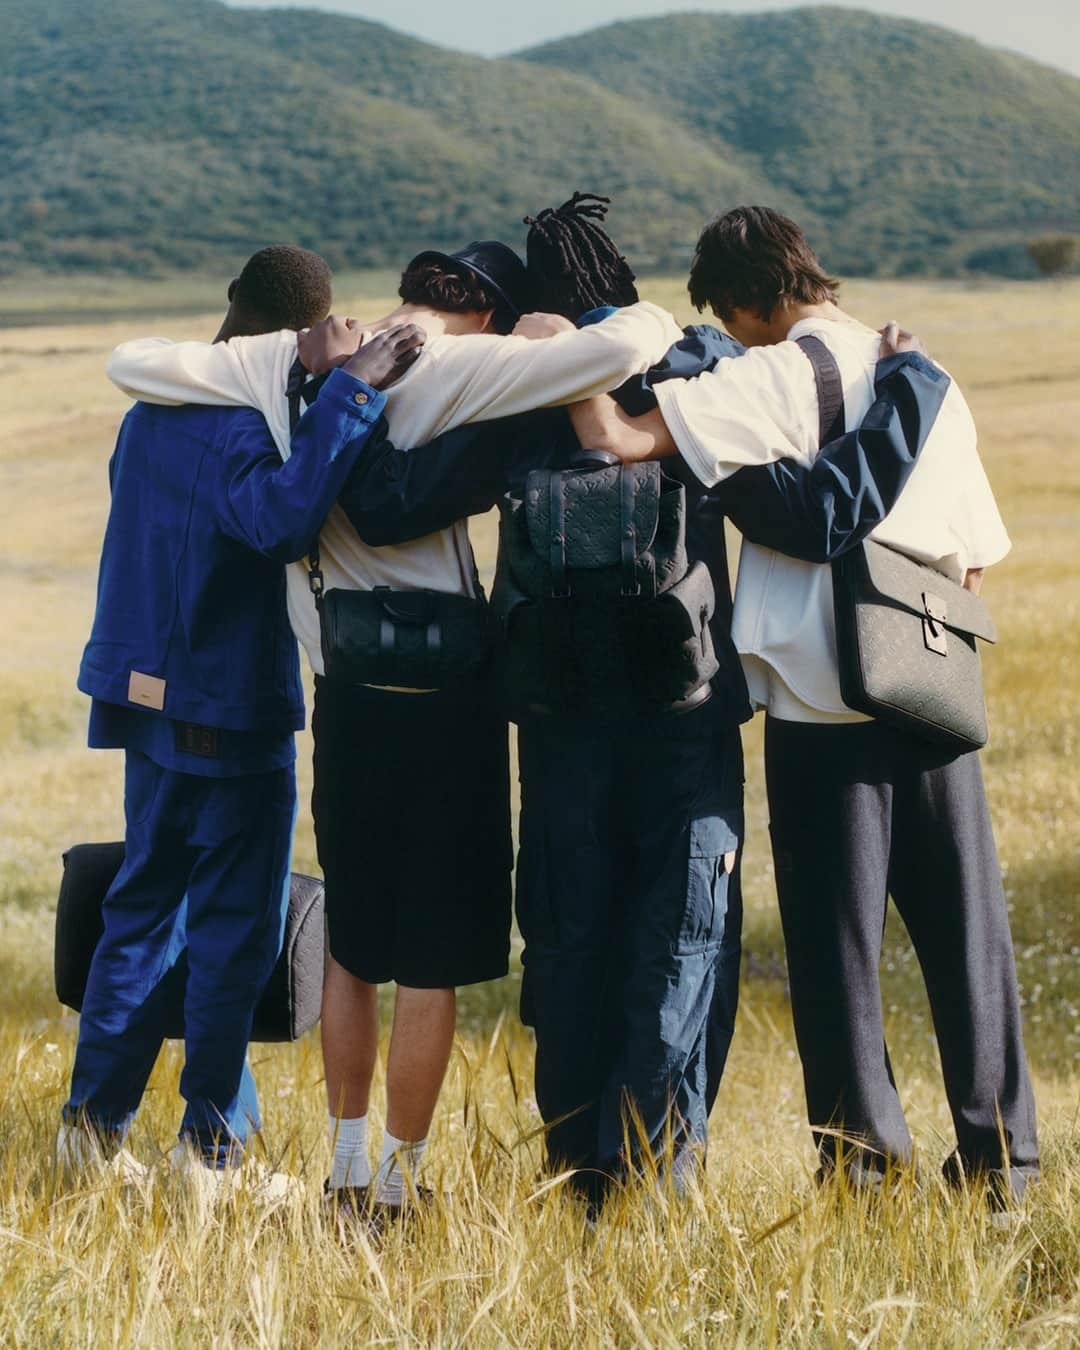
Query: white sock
x,y
351,1165
399,1160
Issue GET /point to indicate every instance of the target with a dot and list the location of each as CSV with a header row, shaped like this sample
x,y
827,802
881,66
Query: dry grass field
x,y
757,1258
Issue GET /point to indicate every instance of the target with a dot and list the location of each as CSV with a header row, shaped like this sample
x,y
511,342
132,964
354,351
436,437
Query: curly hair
x,y
754,258
455,289
282,287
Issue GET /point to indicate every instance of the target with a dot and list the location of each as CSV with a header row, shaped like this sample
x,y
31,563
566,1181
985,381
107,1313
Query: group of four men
x,y
627,880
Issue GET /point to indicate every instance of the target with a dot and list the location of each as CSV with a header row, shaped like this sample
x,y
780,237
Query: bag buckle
x,y
934,634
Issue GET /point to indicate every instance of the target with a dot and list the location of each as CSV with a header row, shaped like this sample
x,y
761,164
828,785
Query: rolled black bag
x,y
598,609
291,1001
398,639
404,639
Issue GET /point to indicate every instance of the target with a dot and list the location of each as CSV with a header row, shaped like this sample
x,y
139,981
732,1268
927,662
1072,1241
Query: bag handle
x,y
594,459
830,388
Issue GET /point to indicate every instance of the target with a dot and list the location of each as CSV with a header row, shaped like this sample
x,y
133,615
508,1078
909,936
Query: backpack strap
x,y
830,388
557,549
627,534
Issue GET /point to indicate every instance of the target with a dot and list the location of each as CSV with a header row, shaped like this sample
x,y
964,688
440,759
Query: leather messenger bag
x,y
906,635
906,641
290,1003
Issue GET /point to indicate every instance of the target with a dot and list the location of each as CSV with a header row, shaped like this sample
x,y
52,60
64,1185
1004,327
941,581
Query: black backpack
x,y
598,608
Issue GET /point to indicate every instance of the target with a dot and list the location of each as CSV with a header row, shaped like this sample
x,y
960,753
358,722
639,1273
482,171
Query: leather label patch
x,y
193,739
147,691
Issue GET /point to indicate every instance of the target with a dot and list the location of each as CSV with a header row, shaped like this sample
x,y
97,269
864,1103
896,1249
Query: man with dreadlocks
x,y
664,794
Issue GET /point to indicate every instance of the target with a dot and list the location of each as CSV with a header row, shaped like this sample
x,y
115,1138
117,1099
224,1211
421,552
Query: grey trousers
x,y
859,812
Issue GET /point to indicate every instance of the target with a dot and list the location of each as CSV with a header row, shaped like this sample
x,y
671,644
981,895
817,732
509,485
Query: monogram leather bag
x,y
599,606
421,639
906,638
290,1003
906,635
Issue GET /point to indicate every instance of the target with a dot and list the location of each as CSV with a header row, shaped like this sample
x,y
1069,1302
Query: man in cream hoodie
x,y
411,796
858,810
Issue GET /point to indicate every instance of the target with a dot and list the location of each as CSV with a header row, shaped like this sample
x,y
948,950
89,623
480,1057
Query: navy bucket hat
x,y
498,267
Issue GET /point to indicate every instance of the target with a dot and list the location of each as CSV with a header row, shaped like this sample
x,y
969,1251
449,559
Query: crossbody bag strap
x,y
557,547
830,388
294,392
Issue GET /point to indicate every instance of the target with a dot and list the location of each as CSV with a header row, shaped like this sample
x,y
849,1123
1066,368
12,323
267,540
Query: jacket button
x,y
360,397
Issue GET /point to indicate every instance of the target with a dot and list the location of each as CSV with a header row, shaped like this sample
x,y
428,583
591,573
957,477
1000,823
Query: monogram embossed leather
x,y
599,607
906,639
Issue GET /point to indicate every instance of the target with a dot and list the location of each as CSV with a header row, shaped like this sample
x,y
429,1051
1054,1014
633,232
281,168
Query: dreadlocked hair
x,y
573,263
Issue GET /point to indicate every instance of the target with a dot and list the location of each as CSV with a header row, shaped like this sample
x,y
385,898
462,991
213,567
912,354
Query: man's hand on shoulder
x,y
387,356
536,326
328,343
895,340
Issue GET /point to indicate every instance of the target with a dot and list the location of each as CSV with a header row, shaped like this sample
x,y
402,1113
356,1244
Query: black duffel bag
x,y
420,639
403,639
906,644
598,607
290,1003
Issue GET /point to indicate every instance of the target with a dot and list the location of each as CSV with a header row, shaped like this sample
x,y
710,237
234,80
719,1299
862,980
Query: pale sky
x,y
1048,30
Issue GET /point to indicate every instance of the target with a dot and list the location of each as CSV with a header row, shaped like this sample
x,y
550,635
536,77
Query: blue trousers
x,y
196,914
631,948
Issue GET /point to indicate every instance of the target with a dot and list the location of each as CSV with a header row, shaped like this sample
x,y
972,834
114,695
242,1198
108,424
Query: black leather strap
x,y
299,390
830,388
627,534
557,552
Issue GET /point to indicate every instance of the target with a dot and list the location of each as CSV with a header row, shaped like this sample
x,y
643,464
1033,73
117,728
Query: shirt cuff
x,y
366,403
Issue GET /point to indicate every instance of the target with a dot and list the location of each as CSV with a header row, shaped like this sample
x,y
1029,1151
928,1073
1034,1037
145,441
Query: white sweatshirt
x,y
455,380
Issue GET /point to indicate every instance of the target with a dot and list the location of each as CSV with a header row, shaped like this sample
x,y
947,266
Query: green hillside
x,y
145,135
916,146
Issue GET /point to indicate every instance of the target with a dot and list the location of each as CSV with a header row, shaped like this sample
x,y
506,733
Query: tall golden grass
x,y
757,1257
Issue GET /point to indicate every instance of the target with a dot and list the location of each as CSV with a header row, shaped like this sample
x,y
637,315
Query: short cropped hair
x,y
754,258
282,287
453,289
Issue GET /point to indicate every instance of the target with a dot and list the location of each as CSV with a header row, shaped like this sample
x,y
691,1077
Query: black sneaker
x,y
348,1204
417,1199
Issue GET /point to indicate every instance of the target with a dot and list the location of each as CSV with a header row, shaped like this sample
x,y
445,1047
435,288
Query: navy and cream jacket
x,y
191,623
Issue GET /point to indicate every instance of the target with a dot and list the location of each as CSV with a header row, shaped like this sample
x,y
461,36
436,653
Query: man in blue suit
x,y
193,671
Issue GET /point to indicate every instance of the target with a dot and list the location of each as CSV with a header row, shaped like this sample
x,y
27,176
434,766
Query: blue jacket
x,y
191,589
813,512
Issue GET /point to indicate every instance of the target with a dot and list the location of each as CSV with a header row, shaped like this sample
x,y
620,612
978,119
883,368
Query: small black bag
x,y
905,633
404,639
408,639
599,608
291,1001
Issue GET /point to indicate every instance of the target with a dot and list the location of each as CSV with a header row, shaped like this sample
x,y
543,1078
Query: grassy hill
x,y
142,135
913,144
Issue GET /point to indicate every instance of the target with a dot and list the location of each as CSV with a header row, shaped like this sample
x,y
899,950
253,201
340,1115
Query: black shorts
x,y
412,823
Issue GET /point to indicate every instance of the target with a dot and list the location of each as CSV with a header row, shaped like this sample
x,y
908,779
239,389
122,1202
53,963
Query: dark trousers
x,y
859,812
196,913
622,901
